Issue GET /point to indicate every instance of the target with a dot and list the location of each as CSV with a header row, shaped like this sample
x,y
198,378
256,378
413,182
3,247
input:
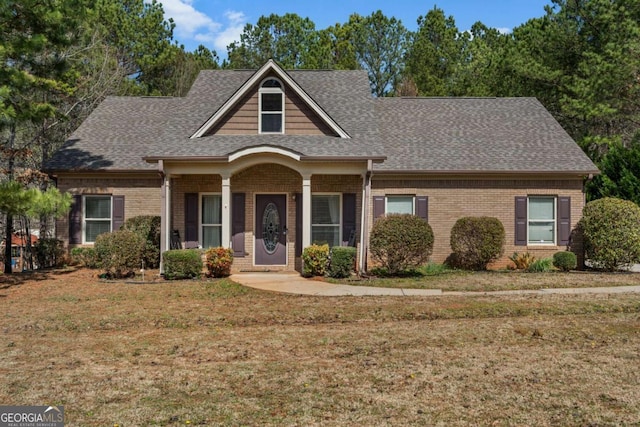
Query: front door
x,y
271,227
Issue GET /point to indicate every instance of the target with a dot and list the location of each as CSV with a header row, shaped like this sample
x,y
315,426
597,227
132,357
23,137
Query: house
x,y
20,246
269,161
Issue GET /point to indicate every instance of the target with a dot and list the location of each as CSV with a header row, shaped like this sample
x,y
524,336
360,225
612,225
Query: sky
x,y
217,23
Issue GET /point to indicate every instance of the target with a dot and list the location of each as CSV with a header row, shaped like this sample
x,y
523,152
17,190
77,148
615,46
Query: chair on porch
x,y
175,242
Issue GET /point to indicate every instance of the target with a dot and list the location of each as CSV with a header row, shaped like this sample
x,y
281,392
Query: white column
x,y
226,211
306,211
165,218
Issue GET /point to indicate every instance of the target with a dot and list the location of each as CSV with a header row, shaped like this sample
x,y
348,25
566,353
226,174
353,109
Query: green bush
x,y
343,259
218,262
611,233
400,242
119,253
565,260
85,257
542,265
182,264
477,241
147,227
49,252
314,260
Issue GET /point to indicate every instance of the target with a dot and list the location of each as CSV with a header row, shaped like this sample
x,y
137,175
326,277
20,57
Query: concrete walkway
x,y
293,283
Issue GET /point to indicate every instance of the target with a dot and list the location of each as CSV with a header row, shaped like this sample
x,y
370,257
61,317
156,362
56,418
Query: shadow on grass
x,y
18,278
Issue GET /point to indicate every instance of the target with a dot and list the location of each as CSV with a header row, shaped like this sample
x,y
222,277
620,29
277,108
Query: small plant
x,y
565,260
401,242
343,259
49,252
522,261
218,262
119,253
434,269
85,257
542,265
314,260
477,241
182,264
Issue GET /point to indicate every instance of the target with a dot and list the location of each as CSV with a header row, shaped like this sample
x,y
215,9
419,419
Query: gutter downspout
x,y
364,222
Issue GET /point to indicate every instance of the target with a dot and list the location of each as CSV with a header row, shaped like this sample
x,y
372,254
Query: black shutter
x,y
298,224
378,207
564,220
75,220
237,224
422,207
348,218
190,220
521,221
117,215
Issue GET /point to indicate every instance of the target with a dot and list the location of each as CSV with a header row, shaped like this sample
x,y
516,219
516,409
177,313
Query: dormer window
x,y
271,105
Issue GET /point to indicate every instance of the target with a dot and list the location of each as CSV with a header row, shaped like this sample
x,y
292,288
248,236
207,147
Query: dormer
x,y
271,106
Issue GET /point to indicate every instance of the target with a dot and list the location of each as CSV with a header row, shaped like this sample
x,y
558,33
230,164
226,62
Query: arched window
x,y
271,106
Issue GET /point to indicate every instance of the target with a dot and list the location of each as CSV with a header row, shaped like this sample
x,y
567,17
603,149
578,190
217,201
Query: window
x,y
399,205
271,100
210,220
97,217
325,219
541,220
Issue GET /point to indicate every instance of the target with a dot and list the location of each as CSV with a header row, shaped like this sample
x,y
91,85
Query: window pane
x,y
541,232
272,83
271,123
98,207
211,209
325,234
325,209
272,102
541,208
93,228
211,236
400,205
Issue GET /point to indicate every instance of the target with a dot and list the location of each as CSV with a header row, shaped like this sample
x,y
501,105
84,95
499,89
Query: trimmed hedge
x,y
342,264
565,260
477,241
314,260
147,227
85,257
119,253
182,264
400,242
218,262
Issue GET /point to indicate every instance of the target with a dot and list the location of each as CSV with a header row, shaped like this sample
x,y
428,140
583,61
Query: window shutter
x,y
348,217
237,224
298,224
521,221
190,220
378,207
75,220
117,214
564,220
422,207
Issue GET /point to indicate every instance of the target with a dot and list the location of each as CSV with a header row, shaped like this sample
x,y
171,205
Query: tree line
x,y
581,58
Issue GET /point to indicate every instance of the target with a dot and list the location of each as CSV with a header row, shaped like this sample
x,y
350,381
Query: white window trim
x,y
276,90
387,197
555,220
339,225
84,215
200,224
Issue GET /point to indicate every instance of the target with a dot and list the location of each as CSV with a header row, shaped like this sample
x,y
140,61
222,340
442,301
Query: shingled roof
x,y
440,135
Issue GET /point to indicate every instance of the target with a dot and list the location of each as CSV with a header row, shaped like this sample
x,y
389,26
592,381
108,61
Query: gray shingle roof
x,y
414,134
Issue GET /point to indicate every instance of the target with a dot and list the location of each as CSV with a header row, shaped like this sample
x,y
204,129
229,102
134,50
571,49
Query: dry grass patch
x,y
215,353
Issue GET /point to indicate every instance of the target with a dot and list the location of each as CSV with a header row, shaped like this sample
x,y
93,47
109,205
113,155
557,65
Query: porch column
x,y
165,217
306,211
226,211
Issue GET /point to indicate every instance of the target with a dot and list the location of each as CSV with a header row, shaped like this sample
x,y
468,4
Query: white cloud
x,y
504,30
235,24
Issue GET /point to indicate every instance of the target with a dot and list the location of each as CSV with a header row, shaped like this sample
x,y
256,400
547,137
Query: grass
x,y
215,353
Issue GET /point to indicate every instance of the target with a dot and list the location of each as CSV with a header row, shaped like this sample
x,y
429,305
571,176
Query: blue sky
x,y
216,23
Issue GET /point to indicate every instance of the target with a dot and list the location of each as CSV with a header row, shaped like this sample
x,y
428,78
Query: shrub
x,y
119,253
400,242
182,264
477,241
565,260
611,231
343,259
314,260
49,252
218,261
522,261
85,257
147,227
540,266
